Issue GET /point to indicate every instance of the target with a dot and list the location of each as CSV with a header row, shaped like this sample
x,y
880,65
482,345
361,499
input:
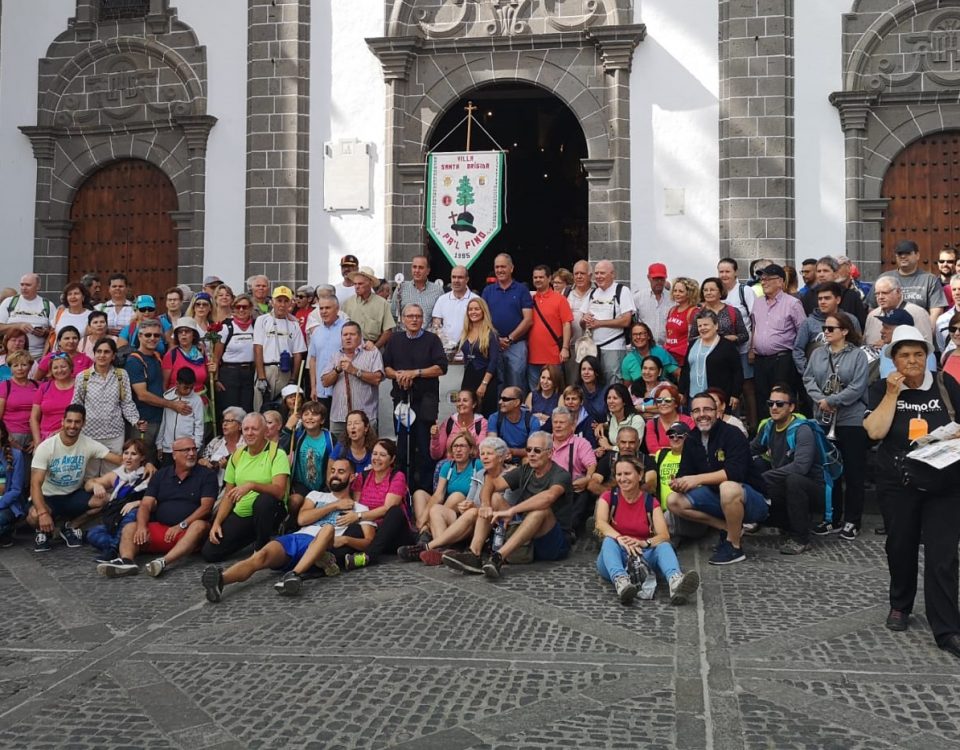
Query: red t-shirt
x,y
677,332
629,518
53,403
541,344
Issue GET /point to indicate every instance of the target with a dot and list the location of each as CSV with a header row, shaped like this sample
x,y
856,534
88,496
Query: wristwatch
x,y
183,524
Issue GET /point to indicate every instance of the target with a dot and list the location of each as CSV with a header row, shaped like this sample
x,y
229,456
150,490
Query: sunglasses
x,y
664,400
954,329
241,307
675,436
536,450
504,399
147,309
947,260
149,335
60,355
829,329
301,296
777,403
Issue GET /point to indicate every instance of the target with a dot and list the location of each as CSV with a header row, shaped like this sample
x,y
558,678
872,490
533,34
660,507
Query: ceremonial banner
x,y
464,202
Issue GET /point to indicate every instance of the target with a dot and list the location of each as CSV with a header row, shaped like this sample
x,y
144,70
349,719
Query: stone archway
x,y
436,51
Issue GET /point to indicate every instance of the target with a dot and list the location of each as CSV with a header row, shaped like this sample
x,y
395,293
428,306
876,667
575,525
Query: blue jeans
x,y
612,560
105,541
512,366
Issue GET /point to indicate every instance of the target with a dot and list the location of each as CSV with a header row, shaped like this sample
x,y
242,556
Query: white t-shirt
x,y
32,311
744,310
578,304
328,498
239,347
603,306
77,320
65,464
344,292
452,312
276,336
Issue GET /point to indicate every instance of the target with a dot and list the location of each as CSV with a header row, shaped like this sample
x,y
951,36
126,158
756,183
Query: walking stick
x,y
212,388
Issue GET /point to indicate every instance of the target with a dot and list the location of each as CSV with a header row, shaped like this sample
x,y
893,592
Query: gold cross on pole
x,y
470,109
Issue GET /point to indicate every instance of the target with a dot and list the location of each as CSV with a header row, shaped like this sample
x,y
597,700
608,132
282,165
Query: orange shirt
x,y
543,347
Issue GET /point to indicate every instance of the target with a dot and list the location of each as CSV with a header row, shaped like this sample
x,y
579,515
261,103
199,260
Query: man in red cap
x,y
652,305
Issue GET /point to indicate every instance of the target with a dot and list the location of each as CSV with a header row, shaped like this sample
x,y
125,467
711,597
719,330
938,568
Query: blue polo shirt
x,y
507,305
514,435
143,369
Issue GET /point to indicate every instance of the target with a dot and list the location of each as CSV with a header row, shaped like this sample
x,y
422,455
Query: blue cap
x,y
145,300
896,317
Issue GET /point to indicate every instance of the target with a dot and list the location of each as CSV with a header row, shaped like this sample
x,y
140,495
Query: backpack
x,y
8,384
476,426
405,504
649,503
831,463
617,290
15,300
85,380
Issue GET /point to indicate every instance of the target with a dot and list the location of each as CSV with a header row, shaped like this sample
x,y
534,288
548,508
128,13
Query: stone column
x,y
196,129
51,238
278,134
756,130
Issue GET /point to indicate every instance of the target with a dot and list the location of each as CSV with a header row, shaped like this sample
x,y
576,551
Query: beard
x,y
338,485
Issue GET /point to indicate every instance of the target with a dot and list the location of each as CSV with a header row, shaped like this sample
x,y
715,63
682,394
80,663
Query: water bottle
x,y
499,536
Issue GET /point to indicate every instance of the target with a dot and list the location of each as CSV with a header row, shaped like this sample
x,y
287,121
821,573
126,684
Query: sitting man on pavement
x,y
603,479
298,552
541,495
793,470
716,483
254,494
512,423
56,481
575,456
173,517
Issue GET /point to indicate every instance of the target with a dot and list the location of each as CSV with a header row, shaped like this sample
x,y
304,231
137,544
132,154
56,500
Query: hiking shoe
x,y
41,542
898,620
155,567
425,538
683,586
793,547
727,554
465,562
328,564
356,560
410,552
433,556
72,537
118,567
6,540
290,584
212,580
492,565
626,589
823,529
849,532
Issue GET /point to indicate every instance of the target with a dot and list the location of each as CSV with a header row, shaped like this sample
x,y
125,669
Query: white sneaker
x,y
849,532
155,567
626,589
682,586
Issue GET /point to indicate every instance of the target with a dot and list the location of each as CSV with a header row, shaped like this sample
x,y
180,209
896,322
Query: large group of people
x,y
234,421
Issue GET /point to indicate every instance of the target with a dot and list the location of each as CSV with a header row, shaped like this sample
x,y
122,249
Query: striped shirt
x,y
363,396
776,323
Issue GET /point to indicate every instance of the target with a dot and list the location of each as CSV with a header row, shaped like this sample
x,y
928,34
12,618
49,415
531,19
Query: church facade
x,y
173,141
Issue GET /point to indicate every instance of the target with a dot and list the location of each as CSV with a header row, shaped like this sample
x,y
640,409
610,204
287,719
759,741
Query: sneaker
x,y
6,540
898,620
411,552
793,547
823,529
849,532
290,584
721,540
72,537
432,556
328,564
683,586
424,538
492,565
212,581
751,528
356,560
465,562
155,567
626,589
118,567
727,554
41,542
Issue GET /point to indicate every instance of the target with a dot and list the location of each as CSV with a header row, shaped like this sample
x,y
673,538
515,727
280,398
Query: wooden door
x,y
923,186
121,223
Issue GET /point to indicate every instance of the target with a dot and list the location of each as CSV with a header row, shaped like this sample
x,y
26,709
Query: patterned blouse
x,y
108,400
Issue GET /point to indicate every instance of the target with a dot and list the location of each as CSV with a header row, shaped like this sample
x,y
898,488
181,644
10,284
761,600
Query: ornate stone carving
x,y
923,59
505,18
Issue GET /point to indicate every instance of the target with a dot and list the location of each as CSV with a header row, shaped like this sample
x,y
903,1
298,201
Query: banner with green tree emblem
x,y
464,202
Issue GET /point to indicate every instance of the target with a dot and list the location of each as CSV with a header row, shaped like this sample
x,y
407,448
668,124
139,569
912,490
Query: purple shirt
x,y
776,323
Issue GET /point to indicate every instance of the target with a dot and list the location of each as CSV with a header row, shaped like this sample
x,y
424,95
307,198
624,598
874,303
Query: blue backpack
x,y
831,463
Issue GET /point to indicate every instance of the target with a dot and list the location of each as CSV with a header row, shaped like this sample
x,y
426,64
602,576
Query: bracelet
x,y
44,513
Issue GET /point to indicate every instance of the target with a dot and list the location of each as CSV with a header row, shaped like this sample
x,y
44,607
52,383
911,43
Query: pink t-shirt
x,y
53,403
373,494
18,405
80,363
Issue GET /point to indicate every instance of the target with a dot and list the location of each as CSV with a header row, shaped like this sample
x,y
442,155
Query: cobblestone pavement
x,y
775,653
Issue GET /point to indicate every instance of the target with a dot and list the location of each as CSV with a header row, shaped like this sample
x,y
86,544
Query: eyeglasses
x,y
703,410
676,435
149,335
301,296
830,329
413,316
504,399
953,329
946,260
185,450
777,403
663,400
201,302
228,419
241,307
147,309
535,449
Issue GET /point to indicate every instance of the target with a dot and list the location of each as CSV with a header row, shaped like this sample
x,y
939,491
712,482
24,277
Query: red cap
x,y
854,271
657,271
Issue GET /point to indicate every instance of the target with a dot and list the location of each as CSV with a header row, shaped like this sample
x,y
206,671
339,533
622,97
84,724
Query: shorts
x,y
707,500
551,546
747,367
295,545
68,507
155,541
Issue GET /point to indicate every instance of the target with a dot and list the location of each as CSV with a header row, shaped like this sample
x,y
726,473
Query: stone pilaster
x,y
278,155
756,130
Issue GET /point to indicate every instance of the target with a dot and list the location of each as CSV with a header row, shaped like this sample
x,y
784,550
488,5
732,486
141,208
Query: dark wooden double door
x,y
122,223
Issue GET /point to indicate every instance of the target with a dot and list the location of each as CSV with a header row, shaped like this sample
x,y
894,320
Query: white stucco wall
x,y
346,101
819,188
674,109
25,34
222,29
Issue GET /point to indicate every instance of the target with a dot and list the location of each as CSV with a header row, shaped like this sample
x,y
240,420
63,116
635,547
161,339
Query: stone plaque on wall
x,y
346,175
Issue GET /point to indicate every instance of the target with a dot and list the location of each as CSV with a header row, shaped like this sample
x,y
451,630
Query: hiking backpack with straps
x,y
617,290
649,502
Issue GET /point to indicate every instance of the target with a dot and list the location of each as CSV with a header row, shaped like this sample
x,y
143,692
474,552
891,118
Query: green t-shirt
x,y
668,470
261,468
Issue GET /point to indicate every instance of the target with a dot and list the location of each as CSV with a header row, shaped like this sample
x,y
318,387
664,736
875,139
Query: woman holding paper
x,y
919,503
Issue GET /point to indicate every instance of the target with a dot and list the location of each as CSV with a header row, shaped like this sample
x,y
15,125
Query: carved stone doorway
x,y
546,185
